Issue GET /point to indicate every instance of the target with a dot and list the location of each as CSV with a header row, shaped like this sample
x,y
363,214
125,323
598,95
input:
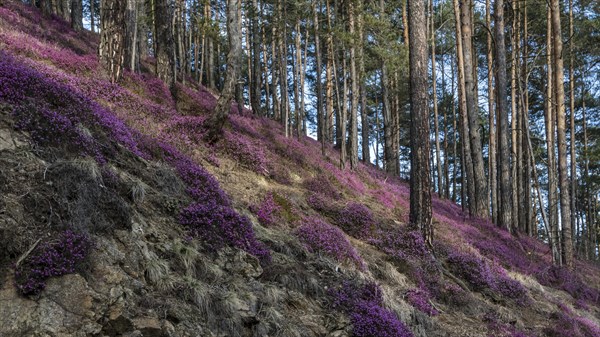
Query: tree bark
x,y
505,209
77,15
550,146
234,61
515,169
354,78
467,163
420,193
438,156
492,117
480,200
321,120
563,174
92,16
111,48
131,30
256,85
365,128
165,46
297,76
329,81
573,180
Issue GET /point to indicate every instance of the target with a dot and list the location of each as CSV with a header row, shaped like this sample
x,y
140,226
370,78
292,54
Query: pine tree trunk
x,y
438,156
404,20
297,75
563,174
573,180
321,118
365,128
77,15
131,31
515,169
586,188
492,117
446,157
480,200
467,162
420,193
354,88
256,68
283,78
275,74
454,134
234,61
550,145
111,49
265,71
505,209
343,112
210,48
527,167
390,159
165,46
92,16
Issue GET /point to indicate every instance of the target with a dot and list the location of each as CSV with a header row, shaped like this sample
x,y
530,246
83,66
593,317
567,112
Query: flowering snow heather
x,y
364,305
356,219
63,123
267,211
419,298
51,259
567,323
320,237
481,275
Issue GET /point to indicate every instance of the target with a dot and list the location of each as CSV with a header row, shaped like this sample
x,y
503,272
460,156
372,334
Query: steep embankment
x,y
116,219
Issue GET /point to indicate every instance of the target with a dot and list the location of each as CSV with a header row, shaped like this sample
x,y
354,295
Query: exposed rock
x,y
148,326
239,262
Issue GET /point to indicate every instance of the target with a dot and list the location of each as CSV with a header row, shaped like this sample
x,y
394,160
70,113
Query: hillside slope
x,y
117,220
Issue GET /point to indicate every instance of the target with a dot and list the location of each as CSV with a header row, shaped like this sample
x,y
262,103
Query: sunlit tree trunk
x,y
563,174
131,28
112,38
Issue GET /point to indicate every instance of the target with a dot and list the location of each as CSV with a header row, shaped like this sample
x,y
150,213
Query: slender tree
x,y
420,194
234,61
563,174
480,201
505,209
492,116
354,78
438,156
550,146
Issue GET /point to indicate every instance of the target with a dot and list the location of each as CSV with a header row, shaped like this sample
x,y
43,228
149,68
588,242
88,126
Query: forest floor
x,y
116,219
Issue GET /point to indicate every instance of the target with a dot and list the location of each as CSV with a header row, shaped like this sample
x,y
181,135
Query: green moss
x,y
286,208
